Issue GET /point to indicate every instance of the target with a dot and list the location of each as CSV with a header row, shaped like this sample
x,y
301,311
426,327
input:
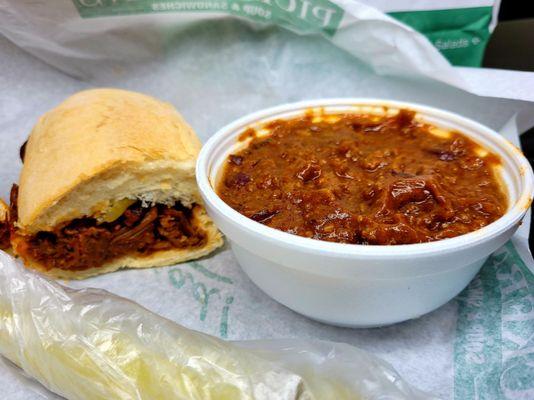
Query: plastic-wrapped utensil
x,y
90,344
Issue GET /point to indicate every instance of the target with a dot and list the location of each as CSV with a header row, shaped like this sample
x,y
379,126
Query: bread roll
x,y
98,161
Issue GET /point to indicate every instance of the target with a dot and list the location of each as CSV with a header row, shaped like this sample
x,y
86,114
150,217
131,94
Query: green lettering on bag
x,y
494,347
302,15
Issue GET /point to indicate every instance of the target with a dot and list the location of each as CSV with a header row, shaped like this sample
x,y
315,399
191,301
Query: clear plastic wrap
x,y
90,344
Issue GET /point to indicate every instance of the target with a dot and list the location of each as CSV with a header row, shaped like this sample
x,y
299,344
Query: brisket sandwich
x,y
109,182
4,226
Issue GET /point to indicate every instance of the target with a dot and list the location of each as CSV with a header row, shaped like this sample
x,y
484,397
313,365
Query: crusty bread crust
x,y
101,146
103,135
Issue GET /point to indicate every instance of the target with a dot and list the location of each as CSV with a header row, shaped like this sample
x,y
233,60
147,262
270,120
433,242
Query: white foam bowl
x,y
361,285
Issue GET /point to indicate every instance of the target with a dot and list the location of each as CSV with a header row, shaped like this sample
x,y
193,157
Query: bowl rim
x,y
314,246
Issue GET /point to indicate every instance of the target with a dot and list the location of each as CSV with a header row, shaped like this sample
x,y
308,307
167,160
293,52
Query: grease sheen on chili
x,y
364,179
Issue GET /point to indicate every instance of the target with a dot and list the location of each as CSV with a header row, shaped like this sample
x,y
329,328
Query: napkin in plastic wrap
x,y
90,344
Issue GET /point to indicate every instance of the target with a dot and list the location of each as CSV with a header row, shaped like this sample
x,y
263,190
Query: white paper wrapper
x,y
215,71
110,35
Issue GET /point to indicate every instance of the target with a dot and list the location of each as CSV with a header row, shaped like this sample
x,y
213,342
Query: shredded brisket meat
x,y
4,235
84,243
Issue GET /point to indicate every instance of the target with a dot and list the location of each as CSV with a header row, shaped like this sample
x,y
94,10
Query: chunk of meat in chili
x,y
364,179
84,243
